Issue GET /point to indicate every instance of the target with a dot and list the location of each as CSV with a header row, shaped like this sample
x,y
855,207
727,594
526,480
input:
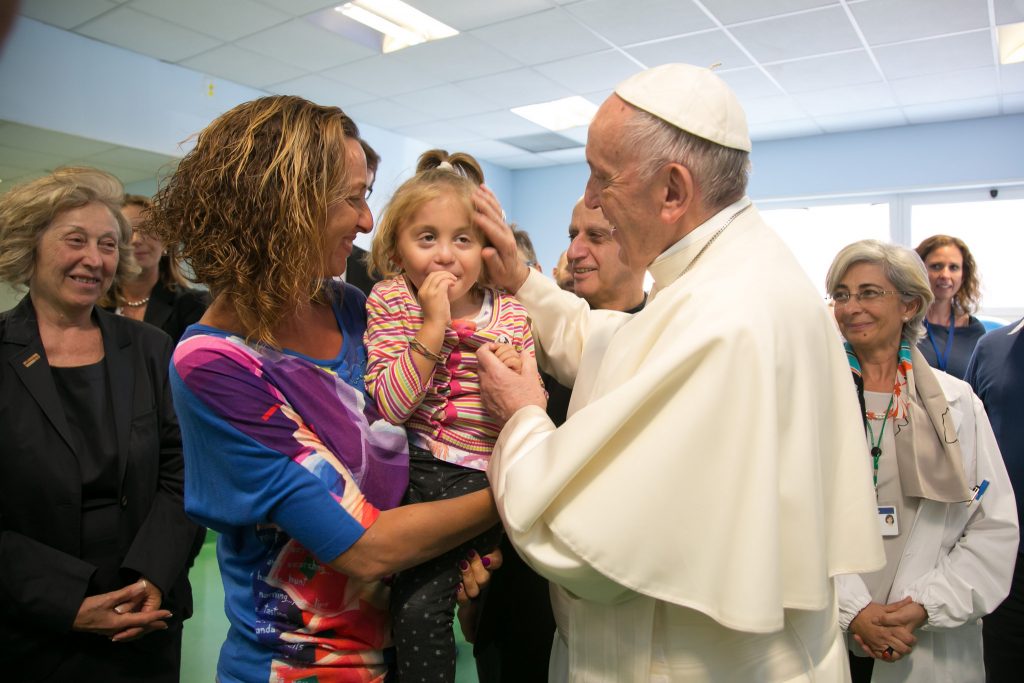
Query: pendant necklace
x,y
876,446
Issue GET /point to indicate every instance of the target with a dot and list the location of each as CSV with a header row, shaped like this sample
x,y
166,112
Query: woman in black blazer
x,y
94,541
159,295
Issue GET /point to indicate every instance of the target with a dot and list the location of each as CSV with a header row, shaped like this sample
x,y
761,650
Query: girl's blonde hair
x,y
437,173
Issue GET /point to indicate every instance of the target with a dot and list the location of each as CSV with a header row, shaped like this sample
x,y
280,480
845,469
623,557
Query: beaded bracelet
x,y
417,346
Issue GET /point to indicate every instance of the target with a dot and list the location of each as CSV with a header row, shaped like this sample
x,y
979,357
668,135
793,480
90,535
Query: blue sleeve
x,y
249,462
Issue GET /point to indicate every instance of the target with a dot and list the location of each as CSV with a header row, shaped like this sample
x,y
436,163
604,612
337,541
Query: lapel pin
x,y
28,362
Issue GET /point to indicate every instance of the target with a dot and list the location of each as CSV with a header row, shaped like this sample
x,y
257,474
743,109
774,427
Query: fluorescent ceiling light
x,y
401,25
1011,43
568,112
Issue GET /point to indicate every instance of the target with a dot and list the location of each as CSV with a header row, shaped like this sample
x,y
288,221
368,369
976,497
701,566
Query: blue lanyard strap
x,y
942,359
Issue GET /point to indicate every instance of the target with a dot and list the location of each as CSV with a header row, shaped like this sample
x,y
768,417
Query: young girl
x,y
425,323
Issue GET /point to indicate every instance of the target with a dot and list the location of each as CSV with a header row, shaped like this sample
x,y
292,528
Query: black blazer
x,y
174,310
356,273
42,579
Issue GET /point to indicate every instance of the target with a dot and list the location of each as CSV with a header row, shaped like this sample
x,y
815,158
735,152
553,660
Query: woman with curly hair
x,y
952,330
285,454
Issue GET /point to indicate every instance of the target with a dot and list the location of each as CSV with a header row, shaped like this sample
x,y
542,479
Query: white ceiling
x,y
800,67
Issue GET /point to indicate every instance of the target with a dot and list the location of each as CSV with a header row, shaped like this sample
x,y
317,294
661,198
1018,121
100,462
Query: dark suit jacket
x,y
42,578
356,274
174,310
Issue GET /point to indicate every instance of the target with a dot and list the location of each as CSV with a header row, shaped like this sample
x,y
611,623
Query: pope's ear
x,y
679,191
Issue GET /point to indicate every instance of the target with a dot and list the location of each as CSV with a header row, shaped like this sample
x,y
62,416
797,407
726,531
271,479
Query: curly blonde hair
x,y
28,209
248,205
437,172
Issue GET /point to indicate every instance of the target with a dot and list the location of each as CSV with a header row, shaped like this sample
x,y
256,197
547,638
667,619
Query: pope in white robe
x,y
710,480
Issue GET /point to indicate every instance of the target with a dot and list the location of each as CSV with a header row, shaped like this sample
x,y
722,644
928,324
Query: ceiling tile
x,y
515,88
444,101
299,8
242,66
8,173
457,58
732,11
815,73
574,155
441,134
520,161
953,110
579,134
143,33
223,19
322,90
749,83
590,72
385,75
702,49
47,141
850,99
776,130
470,15
23,158
625,23
955,85
1008,11
491,148
386,114
1013,103
778,108
889,21
798,35
936,55
863,120
64,14
542,37
300,43
137,159
1011,77
497,124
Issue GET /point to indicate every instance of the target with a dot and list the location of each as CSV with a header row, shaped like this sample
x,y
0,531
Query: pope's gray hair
x,y
903,268
720,172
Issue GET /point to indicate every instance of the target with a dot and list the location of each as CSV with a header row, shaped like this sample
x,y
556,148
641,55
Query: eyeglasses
x,y
867,294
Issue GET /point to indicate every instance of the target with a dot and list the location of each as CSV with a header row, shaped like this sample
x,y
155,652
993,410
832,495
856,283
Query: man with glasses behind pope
x,y
710,480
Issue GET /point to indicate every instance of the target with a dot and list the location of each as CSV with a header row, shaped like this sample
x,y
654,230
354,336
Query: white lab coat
x,y
957,562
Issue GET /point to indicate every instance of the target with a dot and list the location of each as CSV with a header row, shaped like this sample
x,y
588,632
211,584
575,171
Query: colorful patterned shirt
x,y
289,461
446,415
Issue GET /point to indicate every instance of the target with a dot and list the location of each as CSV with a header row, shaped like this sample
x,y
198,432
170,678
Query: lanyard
x,y
876,446
942,360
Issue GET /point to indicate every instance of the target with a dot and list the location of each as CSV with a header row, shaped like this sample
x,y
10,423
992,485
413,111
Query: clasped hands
x,y
886,632
124,614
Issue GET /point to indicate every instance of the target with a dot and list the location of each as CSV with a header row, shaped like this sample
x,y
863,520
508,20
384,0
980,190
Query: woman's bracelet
x,y
417,346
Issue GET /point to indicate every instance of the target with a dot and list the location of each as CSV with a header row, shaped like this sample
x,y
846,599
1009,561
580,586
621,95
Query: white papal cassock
x,y
711,478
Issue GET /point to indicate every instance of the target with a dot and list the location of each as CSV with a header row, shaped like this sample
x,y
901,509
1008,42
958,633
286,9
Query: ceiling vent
x,y
542,142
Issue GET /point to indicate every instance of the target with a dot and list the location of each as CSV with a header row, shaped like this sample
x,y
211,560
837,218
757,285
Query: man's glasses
x,y
868,294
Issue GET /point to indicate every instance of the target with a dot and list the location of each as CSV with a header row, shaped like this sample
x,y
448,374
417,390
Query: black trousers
x,y
1003,633
423,597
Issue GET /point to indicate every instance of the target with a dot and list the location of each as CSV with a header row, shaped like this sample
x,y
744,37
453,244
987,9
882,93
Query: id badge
x,y
887,521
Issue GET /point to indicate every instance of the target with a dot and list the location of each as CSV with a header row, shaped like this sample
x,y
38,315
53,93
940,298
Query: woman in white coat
x,y
945,506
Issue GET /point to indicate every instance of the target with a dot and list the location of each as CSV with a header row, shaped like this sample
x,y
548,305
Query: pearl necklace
x,y
136,304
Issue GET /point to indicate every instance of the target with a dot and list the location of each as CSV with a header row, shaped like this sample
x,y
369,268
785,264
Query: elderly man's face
x,y
599,274
615,185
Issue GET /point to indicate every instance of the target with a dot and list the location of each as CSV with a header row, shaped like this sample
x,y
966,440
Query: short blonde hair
x,y
437,173
901,266
28,209
248,205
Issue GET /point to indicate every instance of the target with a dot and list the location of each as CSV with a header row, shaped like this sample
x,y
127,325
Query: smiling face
x,y
75,259
147,248
876,324
945,272
440,235
595,259
616,187
348,215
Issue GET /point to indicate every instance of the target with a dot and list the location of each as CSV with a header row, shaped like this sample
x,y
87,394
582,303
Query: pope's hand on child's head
x,y
433,297
508,355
